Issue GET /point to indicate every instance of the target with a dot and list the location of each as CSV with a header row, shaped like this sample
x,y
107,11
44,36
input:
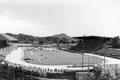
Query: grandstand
x,y
6,40
91,43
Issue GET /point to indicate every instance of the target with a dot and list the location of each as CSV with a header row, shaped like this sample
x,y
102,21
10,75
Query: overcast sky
x,y
49,17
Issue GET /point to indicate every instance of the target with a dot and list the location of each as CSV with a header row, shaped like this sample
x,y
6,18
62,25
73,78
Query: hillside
x,y
62,39
64,36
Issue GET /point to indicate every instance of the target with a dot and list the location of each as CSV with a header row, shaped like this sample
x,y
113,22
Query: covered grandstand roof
x,y
7,37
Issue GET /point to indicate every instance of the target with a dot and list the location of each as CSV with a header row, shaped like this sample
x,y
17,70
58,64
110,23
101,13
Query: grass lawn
x,y
59,57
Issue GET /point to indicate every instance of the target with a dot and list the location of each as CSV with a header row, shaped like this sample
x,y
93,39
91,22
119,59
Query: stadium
x,y
47,61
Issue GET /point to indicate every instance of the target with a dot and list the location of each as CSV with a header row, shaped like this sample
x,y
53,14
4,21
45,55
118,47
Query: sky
x,y
49,17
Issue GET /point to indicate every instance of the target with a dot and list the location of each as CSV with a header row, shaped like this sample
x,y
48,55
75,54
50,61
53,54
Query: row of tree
x,y
116,42
23,38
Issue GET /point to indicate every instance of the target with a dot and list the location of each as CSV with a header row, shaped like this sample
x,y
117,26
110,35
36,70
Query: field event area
x,y
58,57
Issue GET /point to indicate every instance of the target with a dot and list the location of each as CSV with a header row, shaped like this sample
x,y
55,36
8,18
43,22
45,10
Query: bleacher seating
x,y
90,45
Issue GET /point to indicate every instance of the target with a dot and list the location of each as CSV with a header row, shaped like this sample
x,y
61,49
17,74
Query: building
x,y
3,44
7,40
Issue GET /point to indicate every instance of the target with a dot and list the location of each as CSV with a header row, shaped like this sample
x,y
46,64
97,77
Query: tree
x,y
116,42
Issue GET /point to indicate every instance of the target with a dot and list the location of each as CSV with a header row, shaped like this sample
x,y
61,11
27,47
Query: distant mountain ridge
x,y
58,38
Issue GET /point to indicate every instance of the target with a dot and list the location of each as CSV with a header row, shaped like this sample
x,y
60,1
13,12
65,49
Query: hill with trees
x,y
65,37
61,39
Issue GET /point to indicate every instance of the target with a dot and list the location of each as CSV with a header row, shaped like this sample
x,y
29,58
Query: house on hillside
x,y
7,39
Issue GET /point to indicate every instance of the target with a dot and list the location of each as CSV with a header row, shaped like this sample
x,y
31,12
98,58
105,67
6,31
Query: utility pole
x,y
104,47
83,52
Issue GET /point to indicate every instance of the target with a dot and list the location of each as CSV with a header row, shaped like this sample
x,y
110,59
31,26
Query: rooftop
x,y
10,38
